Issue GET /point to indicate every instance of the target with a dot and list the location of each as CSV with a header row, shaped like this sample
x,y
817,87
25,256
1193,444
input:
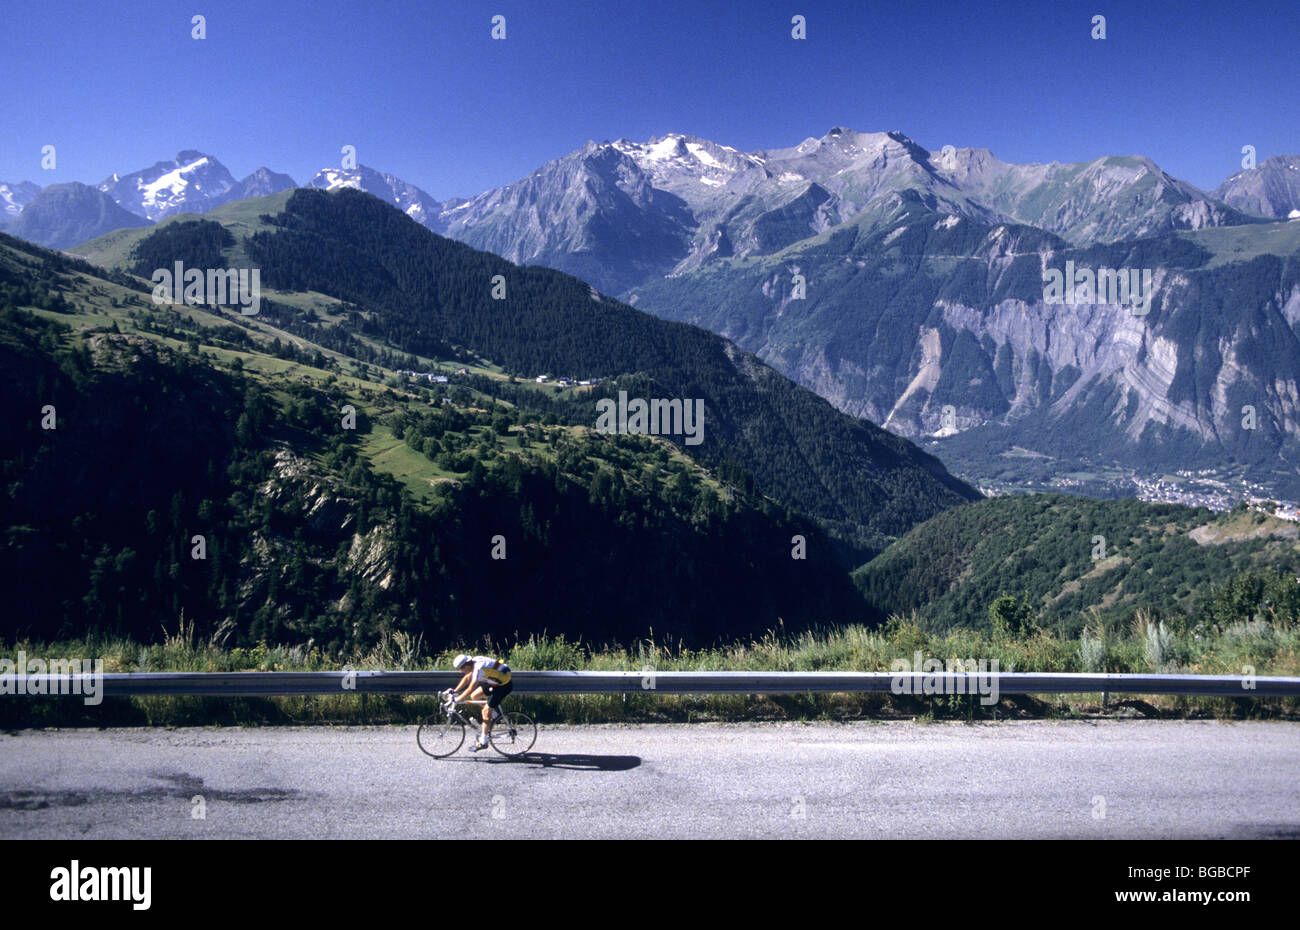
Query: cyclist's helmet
x,y
461,661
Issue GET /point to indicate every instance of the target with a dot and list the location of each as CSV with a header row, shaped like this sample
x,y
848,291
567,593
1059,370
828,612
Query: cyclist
x,y
482,675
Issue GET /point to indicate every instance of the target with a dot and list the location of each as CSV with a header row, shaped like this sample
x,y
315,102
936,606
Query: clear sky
x,y
423,92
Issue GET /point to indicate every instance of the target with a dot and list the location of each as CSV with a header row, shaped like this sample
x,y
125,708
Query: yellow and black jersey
x,y
490,671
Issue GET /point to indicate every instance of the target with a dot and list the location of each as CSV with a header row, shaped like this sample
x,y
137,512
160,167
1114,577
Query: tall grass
x,y
1268,648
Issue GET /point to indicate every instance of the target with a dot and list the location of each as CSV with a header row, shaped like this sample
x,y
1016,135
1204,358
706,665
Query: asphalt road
x,y
1129,779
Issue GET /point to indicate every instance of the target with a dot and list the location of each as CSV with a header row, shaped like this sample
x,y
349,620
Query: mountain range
x,y
683,199
624,213
906,286
339,497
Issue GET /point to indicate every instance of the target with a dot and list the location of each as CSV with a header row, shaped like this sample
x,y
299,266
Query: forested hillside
x,y
1061,558
172,463
275,478
425,294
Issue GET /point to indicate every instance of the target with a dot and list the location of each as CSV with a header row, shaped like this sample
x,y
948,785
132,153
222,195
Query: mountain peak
x,y
193,182
14,197
408,198
1271,188
62,215
261,183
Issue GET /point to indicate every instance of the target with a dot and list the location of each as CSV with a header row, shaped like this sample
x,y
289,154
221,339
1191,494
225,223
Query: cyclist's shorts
x,y
497,693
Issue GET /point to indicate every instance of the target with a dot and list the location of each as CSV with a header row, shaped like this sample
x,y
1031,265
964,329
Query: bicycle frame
x,y
454,712
520,730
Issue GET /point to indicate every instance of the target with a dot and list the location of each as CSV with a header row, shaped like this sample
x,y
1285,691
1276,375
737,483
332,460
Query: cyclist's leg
x,y
491,710
484,693
477,694
503,691
499,693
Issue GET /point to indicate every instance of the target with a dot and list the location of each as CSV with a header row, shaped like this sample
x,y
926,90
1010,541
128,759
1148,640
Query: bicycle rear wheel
x,y
513,734
440,736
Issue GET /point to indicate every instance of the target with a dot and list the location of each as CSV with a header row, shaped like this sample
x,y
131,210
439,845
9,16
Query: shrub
x,y
1092,653
1159,646
1011,617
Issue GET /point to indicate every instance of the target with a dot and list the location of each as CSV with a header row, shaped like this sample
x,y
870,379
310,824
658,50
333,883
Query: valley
x,y
839,421
467,378
327,485
835,259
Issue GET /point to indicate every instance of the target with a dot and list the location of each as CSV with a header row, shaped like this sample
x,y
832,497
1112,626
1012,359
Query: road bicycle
x,y
513,732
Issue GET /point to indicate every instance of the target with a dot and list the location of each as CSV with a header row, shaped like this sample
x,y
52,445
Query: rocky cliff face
x,y
942,326
322,507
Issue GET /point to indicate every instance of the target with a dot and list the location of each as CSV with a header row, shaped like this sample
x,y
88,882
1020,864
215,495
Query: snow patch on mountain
x,y
675,159
13,197
408,198
702,154
192,182
167,187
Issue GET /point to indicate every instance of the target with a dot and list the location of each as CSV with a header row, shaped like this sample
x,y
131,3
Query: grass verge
x,y
1268,649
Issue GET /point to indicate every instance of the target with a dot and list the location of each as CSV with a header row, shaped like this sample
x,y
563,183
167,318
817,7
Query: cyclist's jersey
x,y
490,671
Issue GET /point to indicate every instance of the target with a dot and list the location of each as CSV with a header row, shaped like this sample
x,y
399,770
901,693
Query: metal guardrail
x,y
270,684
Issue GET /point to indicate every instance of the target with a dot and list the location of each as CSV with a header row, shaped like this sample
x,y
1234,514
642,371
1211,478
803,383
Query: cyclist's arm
x,y
464,686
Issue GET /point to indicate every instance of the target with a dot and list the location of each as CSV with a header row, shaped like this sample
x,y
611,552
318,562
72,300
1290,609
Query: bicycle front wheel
x,y
440,736
513,734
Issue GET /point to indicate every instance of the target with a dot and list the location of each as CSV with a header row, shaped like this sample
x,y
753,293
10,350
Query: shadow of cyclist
x,y
577,761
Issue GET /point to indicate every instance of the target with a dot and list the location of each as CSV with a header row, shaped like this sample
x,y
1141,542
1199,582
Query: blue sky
x,y
422,91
